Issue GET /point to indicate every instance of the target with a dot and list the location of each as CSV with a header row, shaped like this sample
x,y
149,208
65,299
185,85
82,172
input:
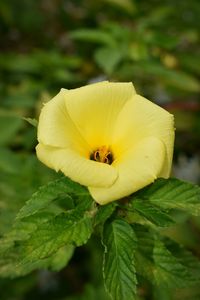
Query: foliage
x,y
45,234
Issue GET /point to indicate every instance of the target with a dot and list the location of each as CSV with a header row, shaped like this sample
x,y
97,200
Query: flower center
x,y
102,154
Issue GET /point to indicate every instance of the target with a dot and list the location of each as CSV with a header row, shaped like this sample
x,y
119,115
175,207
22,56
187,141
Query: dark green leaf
x,y
168,271
152,213
144,252
157,263
119,269
172,194
186,258
104,212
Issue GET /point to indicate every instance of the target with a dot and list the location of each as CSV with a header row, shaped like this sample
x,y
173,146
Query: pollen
x,y
103,155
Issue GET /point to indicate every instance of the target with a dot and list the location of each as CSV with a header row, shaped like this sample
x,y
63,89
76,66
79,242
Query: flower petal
x,y
95,107
141,118
56,127
137,168
76,167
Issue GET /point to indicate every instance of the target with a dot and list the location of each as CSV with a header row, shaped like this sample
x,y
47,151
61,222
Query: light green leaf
x,y
127,5
22,229
178,79
172,194
93,35
108,58
38,245
61,258
181,80
35,241
9,267
74,227
119,270
31,121
52,191
152,213
41,230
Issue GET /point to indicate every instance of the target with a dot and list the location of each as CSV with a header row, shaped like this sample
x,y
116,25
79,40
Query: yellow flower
x,y
106,137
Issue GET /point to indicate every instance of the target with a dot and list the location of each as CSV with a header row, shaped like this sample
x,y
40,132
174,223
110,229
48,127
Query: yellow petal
x,y
56,127
141,118
78,168
94,109
136,168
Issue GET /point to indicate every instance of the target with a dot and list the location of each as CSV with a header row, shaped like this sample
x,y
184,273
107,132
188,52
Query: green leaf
x,y
22,229
186,258
104,212
181,80
61,258
20,175
52,191
74,227
39,245
119,270
41,230
152,213
168,272
9,267
31,121
93,35
127,5
108,58
178,79
143,253
157,263
172,194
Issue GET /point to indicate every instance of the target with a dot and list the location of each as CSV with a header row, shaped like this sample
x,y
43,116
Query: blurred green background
x,y
46,45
